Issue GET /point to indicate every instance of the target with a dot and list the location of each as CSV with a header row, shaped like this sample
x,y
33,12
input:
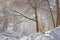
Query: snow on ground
x,y
53,34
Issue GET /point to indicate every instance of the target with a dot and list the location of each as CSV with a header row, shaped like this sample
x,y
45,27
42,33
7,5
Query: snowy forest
x,y
29,19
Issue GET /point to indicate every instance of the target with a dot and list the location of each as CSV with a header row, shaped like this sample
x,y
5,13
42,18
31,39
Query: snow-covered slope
x,y
53,34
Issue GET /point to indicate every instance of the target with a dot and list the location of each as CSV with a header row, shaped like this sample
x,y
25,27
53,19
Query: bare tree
x,y
35,12
58,14
34,6
51,13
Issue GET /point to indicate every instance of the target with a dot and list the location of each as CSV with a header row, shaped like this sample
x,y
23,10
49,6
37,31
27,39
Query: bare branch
x,y
24,15
31,5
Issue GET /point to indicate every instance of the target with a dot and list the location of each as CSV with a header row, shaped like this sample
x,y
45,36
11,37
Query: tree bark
x,y
36,16
58,14
51,14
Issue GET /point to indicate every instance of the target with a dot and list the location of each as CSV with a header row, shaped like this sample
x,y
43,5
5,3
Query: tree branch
x,y
24,15
31,5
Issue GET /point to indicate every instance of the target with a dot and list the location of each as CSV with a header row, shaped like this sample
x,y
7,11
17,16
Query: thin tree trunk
x,y
57,11
37,27
51,14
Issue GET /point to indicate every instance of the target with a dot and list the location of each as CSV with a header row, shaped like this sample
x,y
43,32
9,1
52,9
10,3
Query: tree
x,y
51,13
35,6
58,14
35,12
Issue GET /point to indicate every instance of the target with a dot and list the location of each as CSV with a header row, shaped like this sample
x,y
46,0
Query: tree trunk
x,y
51,14
37,27
58,15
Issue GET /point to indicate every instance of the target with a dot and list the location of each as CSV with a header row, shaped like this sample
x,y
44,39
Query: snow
x,y
24,38
53,34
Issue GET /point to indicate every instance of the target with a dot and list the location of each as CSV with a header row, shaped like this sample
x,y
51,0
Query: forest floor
x,y
53,34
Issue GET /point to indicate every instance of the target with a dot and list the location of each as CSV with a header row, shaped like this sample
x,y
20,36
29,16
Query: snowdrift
x,y
53,34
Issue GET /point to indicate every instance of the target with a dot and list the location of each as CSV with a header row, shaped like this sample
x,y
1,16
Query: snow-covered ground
x,y
53,34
